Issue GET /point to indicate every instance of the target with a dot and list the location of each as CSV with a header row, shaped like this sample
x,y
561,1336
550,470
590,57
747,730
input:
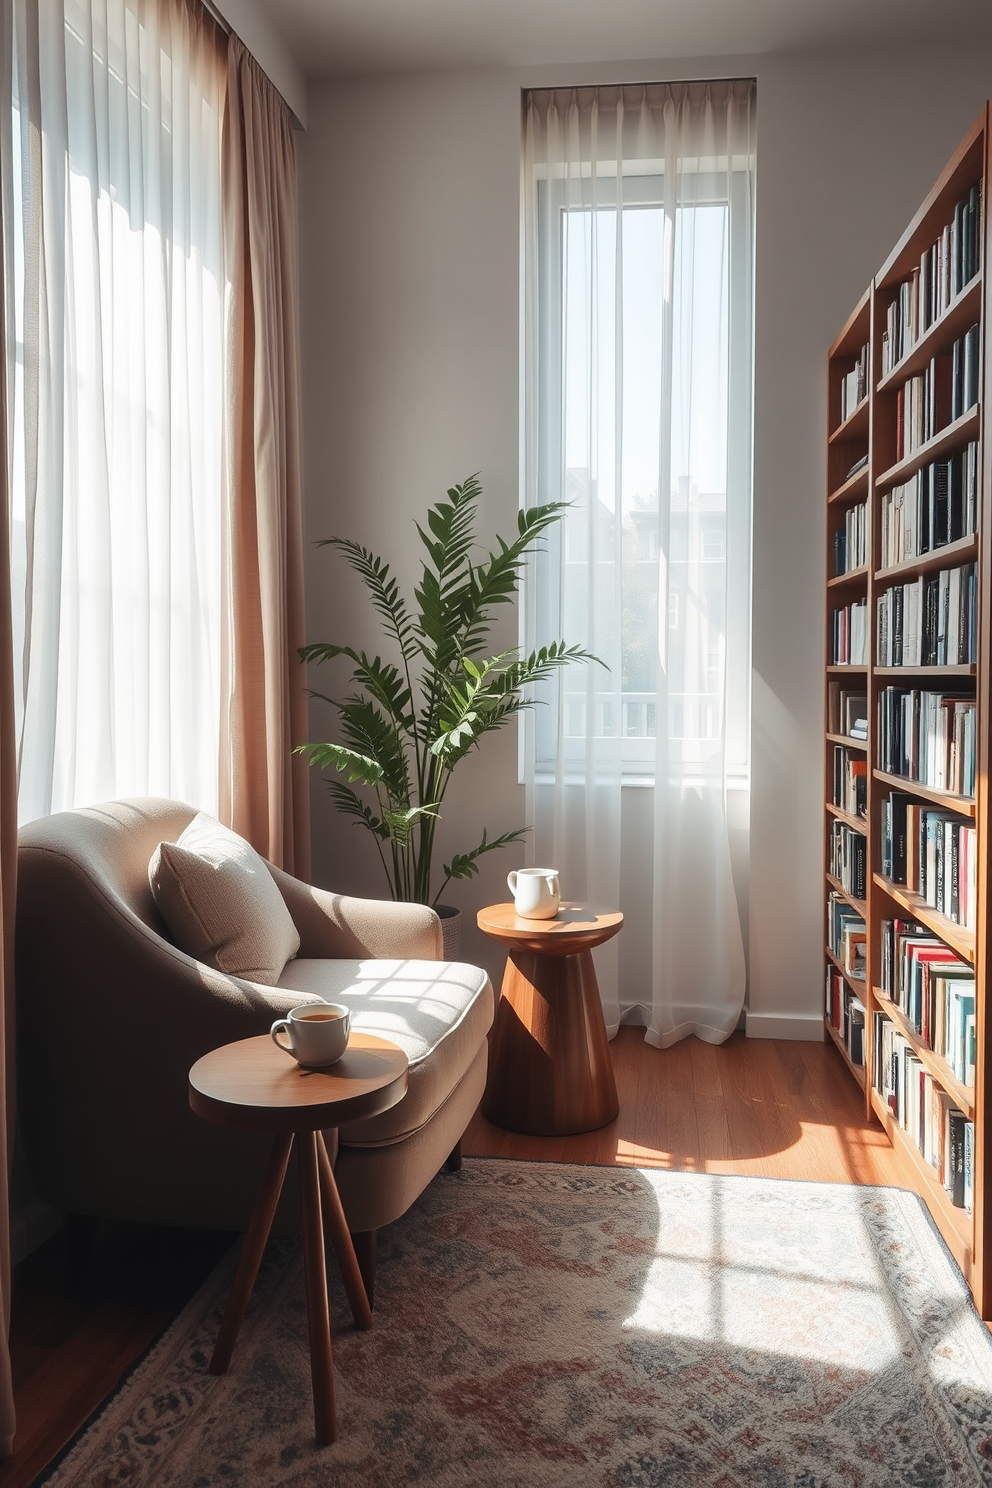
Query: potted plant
x,y
407,723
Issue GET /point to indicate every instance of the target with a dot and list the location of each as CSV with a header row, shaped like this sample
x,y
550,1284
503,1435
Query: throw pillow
x,y
221,903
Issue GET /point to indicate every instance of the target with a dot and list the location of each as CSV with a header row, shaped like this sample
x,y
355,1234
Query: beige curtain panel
x,y
264,791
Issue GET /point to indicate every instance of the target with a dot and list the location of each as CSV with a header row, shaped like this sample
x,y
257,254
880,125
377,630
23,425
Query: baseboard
x,y
805,1026
31,1226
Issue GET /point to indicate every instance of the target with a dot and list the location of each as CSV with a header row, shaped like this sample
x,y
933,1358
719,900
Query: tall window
x,y
639,232
115,293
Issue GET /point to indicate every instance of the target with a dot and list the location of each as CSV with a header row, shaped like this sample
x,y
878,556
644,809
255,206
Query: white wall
x,y
409,201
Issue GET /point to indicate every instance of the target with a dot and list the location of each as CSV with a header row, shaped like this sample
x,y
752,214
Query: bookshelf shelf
x,y
963,669
849,740
937,1066
855,427
856,823
962,312
857,986
860,905
963,551
968,426
854,577
960,939
852,490
964,805
920,311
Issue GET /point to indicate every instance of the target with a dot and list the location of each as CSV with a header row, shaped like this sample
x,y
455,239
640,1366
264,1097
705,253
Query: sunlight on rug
x,y
547,1325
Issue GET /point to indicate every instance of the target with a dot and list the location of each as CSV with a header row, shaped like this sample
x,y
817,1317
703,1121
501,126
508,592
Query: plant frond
x,y
383,590
366,730
400,824
351,804
357,765
466,865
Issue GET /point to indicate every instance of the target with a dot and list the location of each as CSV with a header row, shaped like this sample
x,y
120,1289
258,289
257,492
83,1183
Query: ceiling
x,y
337,37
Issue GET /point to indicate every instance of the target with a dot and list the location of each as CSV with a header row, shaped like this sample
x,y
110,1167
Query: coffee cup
x,y
536,895
318,1033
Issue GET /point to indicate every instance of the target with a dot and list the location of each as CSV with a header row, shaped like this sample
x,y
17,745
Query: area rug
x,y
556,1327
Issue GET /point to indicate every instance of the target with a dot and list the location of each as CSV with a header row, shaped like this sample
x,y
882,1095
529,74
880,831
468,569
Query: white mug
x,y
318,1033
536,895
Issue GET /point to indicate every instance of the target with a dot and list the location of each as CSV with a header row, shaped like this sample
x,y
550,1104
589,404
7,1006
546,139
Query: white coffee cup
x,y
536,895
318,1033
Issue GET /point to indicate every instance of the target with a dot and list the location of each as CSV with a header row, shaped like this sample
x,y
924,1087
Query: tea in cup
x,y
536,894
318,1033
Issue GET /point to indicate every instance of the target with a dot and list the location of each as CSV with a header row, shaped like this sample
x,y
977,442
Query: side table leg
x,y
336,1227
251,1252
315,1281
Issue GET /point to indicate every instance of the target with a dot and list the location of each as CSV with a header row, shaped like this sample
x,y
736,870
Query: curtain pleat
x,y
264,788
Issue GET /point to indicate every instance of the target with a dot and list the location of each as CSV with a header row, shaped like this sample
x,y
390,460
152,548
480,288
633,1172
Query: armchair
x,y
102,1101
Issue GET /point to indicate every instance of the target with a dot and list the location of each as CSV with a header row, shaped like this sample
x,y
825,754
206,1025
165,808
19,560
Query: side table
x,y
550,1071
252,1086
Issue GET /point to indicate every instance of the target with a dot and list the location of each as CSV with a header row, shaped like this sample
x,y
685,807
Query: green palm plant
x,y
408,723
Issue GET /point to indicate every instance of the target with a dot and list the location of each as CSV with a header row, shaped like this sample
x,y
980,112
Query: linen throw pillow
x,y
221,903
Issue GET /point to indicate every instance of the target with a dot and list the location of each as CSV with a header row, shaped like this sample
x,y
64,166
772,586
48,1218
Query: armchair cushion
x,y
439,1013
221,903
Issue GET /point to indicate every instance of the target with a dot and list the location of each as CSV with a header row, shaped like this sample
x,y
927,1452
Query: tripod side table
x,y
255,1087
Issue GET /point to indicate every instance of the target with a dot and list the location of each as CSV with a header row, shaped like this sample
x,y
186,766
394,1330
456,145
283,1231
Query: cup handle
x,y
511,882
554,886
276,1029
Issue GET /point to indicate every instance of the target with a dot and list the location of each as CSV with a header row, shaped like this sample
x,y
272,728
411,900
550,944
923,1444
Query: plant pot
x,y
451,930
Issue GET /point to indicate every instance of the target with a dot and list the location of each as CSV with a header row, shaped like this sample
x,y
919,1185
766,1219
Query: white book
x,y
954,617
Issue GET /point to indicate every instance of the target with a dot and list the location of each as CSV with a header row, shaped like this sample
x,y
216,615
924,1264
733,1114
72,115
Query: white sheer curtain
x,y
115,345
638,220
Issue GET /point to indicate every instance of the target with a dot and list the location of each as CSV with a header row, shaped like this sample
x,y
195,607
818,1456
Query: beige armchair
x,y
111,1015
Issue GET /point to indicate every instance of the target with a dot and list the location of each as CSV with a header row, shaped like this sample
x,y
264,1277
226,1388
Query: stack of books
x,y
851,540
927,736
848,858
850,790
848,712
935,990
850,634
934,853
846,935
846,1013
925,1111
946,268
854,387
939,505
930,621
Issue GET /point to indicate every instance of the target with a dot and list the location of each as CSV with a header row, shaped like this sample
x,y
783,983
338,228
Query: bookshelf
x,y
908,699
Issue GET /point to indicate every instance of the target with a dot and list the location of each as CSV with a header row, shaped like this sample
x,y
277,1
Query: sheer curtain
x,y
115,344
639,231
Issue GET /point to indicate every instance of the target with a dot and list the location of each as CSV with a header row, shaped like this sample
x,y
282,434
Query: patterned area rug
x,y
546,1325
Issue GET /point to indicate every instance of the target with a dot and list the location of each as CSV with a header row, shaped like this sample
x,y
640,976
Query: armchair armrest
x,y
339,926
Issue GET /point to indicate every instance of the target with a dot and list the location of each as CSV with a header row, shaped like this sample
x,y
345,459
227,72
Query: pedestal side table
x,y
550,1071
252,1086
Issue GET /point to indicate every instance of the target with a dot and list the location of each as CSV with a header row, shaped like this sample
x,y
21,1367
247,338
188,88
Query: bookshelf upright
x,y
908,701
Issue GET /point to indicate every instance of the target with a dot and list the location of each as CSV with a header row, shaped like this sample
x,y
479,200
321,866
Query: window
x,y
638,255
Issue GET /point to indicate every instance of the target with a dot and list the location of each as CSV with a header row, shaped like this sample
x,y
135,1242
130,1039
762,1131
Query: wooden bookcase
x,y
871,429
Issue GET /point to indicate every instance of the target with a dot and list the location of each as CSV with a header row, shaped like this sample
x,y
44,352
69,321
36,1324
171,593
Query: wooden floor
x,y
782,1110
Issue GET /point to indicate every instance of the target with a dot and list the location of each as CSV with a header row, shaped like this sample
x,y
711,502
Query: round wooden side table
x,y
251,1085
550,1071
